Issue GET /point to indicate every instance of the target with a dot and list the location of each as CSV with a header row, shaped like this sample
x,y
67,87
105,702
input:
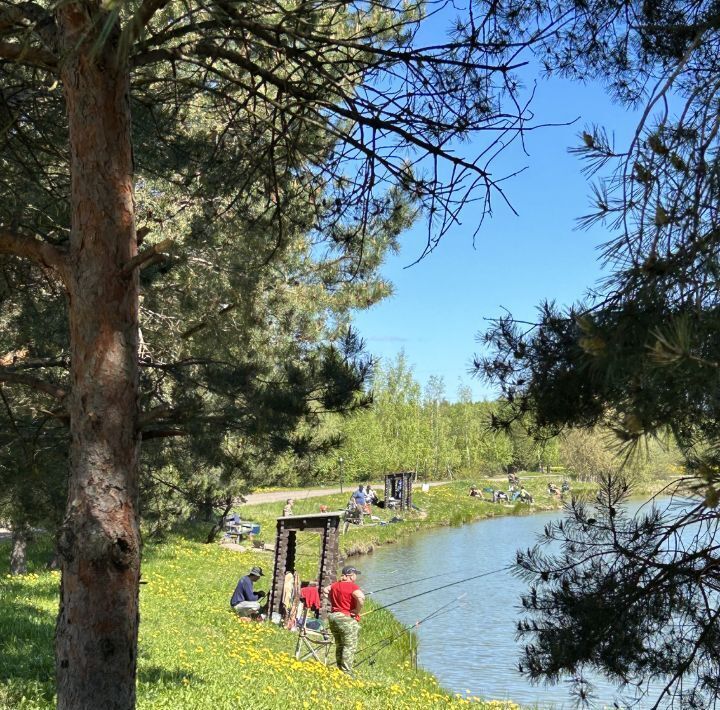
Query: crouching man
x,y
245,600
346,600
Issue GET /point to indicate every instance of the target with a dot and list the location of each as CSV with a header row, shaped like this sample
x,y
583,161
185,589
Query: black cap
x,y
350,570
257,571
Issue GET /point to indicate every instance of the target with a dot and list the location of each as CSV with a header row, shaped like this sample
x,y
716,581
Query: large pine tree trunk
x,y
96,640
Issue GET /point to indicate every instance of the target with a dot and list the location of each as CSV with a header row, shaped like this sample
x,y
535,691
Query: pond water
x,y
471,645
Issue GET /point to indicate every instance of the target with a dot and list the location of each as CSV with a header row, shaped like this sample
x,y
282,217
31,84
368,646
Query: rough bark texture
x,y
18,555
99,544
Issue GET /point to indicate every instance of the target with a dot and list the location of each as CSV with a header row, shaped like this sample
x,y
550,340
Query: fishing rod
x,y
445,586
389,640
412,581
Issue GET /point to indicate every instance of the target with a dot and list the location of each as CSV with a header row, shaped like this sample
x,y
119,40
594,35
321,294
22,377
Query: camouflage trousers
x,y
345,631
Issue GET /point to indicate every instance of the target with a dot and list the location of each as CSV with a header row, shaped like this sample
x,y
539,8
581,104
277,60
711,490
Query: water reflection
x,y
471,646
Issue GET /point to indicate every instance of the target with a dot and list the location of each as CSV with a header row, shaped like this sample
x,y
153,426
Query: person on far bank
x,y
357,504
346,600
245,600
359,498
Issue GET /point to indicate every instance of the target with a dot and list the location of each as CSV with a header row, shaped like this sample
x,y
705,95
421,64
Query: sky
x,y
443,302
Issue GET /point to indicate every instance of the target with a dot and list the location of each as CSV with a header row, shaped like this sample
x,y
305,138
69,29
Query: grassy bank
x,y
195,653
448,504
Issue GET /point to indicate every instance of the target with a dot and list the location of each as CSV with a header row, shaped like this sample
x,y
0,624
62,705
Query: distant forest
x,y
409,426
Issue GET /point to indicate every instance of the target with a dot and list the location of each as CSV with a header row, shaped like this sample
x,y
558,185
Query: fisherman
x,y
357,506
358,497
499,496
245,600
346,600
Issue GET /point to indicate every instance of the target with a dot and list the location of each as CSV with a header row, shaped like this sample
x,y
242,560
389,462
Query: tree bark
x,y
207,508
18,555
99,542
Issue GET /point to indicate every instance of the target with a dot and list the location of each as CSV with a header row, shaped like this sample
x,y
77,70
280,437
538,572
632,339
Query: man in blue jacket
x,y
245,600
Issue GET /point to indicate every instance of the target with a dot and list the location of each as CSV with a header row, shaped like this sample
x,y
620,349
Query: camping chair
x,y
353,515
312,643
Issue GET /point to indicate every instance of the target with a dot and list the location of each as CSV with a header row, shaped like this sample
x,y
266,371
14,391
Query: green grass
x,y
195,653
444,505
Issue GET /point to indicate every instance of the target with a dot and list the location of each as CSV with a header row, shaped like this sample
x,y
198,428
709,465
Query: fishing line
x,y
388,641
438,589
412,581
443,608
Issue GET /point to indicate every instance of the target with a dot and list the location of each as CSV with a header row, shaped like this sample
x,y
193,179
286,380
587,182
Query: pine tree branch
x,y
203,324
208,50
162,433
20,363
139,21
153,253
30,56
22,16
182,491
34,383
153,415
33,248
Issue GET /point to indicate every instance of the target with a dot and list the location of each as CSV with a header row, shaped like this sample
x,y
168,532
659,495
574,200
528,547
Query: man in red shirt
x,y
346,600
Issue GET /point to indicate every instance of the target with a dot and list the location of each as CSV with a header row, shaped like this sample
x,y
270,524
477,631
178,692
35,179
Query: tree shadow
x,y
164,676
26,644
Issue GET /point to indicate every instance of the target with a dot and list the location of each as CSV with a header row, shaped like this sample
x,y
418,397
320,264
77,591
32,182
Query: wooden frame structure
x,y
399,486
328,524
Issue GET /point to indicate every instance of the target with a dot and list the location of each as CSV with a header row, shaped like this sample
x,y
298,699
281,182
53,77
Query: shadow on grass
x,y
164,676
26,644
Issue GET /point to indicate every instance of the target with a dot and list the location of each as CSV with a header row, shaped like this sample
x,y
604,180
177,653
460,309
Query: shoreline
x,y
411,525
204,653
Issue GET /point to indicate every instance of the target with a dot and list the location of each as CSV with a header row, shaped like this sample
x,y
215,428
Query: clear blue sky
x,y
442,303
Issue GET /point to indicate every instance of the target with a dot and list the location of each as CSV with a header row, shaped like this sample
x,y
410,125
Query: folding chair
x,y
313,644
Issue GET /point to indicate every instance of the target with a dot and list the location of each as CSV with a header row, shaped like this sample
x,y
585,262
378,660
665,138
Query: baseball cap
x,y
350,570
257,571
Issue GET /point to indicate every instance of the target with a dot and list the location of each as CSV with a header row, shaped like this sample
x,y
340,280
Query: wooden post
x,y
285,551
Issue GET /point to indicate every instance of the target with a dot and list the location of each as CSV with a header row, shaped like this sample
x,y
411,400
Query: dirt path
x,y
300,494
272,497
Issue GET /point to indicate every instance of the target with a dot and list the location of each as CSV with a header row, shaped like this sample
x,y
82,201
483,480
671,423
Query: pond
x,y
470,645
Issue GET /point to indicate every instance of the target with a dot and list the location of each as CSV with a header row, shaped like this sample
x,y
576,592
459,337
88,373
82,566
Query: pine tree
x,y
641,358
119,114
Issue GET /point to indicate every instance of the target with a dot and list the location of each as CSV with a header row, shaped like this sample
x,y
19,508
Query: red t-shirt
x,y
311,597
341,598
